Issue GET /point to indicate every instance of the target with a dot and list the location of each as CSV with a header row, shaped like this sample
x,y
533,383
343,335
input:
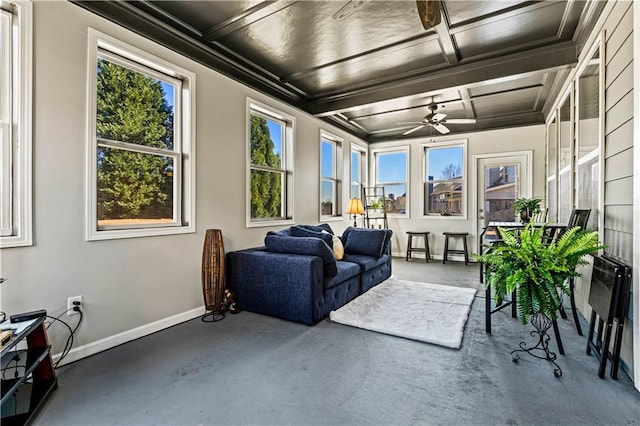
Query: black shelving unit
x,y
375,207
28,375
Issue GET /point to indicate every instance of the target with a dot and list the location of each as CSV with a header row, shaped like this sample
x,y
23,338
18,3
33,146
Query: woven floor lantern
x,y
213,275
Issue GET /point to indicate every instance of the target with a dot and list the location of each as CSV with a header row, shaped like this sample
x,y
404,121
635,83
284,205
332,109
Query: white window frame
x,y
336,179
393,150
102,45
361,180
17,106
425,173
258,108
598,46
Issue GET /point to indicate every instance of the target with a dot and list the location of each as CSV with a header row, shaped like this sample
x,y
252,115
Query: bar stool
x,y
410,248
462,235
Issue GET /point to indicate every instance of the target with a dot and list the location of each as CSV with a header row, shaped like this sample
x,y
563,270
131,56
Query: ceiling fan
x,y
437,120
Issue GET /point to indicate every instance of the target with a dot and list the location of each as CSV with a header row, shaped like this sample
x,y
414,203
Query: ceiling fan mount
x,y
437,120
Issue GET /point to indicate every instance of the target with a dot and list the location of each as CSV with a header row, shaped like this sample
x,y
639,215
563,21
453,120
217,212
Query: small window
x,y
270,166
444,183
391,172
330,176
15,124
358,171
141,170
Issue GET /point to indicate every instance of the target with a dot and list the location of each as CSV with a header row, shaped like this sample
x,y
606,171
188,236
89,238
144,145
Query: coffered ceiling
x,y
369,66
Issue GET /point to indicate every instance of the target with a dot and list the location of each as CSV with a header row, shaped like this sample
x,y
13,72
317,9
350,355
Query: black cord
x,y
69,343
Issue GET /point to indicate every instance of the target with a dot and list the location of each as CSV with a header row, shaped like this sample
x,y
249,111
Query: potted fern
x,y
526,208
538,272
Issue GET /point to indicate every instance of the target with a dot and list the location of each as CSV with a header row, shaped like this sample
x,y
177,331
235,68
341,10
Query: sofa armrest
x,y
287,286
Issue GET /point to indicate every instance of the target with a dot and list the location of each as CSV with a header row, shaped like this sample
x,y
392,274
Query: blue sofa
x,y
296,277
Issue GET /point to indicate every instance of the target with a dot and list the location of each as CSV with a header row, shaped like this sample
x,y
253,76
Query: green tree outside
x,y
266,186
131,107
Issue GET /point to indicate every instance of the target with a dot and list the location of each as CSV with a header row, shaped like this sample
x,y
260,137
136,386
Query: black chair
x,y
579,218
608,299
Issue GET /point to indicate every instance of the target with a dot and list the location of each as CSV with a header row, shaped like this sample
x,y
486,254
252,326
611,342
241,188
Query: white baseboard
x,y
127,336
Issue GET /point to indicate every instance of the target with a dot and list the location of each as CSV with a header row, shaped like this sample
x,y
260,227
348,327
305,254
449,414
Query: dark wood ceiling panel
x,y
537,27
463,11
523,100
409,103
373,69
306,35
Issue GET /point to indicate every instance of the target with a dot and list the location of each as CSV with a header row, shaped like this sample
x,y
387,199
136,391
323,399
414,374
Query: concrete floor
x,y
252,369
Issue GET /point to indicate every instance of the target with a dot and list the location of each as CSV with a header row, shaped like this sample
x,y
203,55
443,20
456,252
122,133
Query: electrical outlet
x,y
70,305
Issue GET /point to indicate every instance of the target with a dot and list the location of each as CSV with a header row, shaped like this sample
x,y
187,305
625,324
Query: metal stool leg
x,y
446,249
466,252
573,307
487,309
427,256
556,331
409,237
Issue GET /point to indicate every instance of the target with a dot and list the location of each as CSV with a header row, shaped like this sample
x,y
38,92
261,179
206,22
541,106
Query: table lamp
x,y
355,208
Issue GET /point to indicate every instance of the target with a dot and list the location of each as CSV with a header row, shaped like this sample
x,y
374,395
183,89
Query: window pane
x,y
552,200
134,188
392,167
327,159
396,198
444,163
133,107
266,142
356,175
444,196
327,196
501,190
266,194
564,163
588,150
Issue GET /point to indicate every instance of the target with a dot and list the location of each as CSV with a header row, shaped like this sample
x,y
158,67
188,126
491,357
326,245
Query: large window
x,y
270,166
391,173
444,184
358,171
330,176
15,124
565,142
141,158
552,170
588,151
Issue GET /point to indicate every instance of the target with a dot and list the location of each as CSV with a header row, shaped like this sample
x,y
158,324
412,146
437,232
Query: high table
x,y
489,236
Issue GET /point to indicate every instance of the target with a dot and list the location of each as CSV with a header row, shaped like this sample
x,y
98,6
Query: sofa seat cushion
x,y
366,263
346,270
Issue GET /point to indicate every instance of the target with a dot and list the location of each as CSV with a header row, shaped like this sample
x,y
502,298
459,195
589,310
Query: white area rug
x,y
425,312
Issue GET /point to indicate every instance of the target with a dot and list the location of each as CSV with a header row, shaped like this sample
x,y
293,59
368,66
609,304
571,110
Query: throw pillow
x,y
301,231
338,248
369,242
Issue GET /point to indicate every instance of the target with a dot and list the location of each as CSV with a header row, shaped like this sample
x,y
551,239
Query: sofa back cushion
x,y
369,242
310,246
302,231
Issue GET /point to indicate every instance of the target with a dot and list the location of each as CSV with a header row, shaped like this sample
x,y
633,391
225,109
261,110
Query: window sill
x,y
95,235
15,241
270,223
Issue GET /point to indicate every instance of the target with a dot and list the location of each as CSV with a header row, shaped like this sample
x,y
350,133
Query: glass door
x,y
500,181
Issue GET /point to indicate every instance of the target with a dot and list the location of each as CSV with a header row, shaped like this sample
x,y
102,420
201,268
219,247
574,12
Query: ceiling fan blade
x,y
439,116
460,121
429,13
442,129
414,129
409,122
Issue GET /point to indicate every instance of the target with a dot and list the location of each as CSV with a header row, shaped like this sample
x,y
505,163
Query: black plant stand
x,y
542,324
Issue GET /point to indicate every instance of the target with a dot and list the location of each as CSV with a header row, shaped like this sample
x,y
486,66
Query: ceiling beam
x,y
557,56
248,17
466,102
447,44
